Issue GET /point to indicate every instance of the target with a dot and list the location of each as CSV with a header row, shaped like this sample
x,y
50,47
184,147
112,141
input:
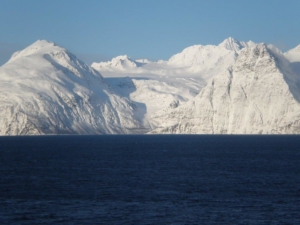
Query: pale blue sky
x,y
155,29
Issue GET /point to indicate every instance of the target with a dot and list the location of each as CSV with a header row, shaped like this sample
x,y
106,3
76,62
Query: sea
x,y
150,179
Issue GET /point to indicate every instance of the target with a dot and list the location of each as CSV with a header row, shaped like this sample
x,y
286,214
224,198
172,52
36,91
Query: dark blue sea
x,y
150,180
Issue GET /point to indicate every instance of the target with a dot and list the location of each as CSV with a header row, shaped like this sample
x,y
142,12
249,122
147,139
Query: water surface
x,y
150,180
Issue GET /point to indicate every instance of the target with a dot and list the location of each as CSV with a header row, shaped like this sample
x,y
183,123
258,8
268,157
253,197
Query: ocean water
x,y
196,179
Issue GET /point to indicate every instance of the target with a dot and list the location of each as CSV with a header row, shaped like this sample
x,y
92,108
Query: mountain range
x,y
232,88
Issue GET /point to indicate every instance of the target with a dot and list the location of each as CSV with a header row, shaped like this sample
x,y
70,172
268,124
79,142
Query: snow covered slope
x,y
154,94
207,61
293,55
120,63
45,89
260,94
164,85
232,88
196,61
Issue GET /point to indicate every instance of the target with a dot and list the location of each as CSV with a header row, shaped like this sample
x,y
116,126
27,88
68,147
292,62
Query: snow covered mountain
x,y
156,85
259,94
120,63
244,88
293,55
195,61
45,89
232,88
207,61
164,85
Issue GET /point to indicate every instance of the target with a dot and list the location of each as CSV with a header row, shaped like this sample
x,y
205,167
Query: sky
x,y
97,30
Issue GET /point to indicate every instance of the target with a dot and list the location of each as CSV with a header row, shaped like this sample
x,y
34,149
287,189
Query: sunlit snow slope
x,y
244,88
164,85
45,89
232,88
259,94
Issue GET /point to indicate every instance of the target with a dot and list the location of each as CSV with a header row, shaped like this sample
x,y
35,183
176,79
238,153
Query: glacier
x,y
235,87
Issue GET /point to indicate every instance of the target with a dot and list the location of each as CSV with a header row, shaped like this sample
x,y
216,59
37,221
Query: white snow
x,y
196,61
293,55
258,95
44,89
163,85
232,88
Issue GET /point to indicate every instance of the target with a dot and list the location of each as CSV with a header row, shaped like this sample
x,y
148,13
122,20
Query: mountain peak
x,y
231,44
38,47
121,62
42,43
296,49
293,55
52,92
230,40
122,57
